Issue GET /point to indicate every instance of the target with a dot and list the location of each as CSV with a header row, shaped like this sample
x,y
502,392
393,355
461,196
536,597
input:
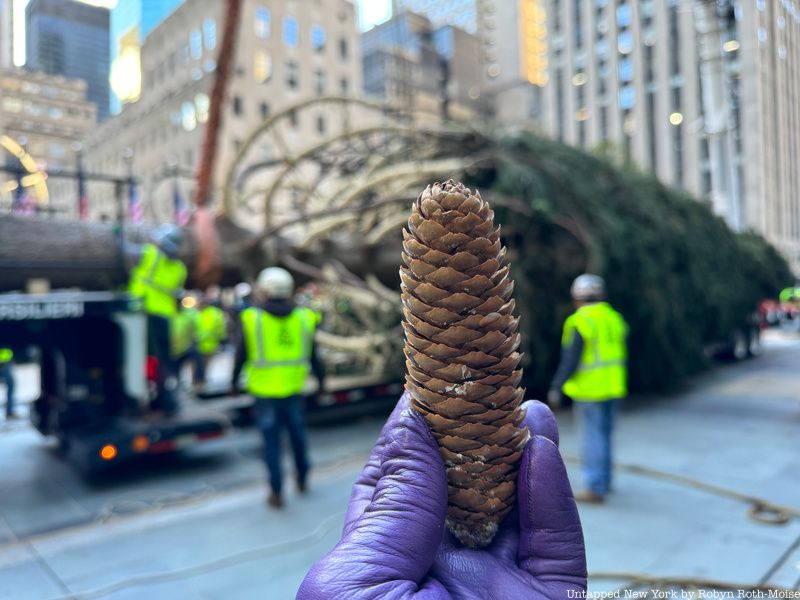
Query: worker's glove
x,y
554,399
394,543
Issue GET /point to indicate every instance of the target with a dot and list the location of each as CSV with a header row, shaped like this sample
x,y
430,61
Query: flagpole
x,y
83,209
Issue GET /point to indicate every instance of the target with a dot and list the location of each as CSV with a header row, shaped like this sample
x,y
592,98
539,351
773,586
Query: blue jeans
x,y
597,423
7,376
273,414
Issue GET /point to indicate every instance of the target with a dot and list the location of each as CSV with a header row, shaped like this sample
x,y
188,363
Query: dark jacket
x,y
570,360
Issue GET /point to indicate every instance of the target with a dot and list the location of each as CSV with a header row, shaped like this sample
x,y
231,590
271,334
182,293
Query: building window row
x,y
291,32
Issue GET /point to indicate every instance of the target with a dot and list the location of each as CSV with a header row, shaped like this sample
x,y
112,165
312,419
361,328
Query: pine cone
x,y
461,353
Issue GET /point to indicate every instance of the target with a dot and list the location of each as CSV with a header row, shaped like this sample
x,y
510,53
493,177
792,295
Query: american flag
x,y
83,201
23,203
181,210
134,205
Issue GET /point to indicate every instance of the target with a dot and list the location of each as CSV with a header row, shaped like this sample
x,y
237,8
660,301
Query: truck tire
x,y
754,342
739,345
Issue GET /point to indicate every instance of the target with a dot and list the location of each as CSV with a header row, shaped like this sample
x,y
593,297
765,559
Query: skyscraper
x,y
702,94
6,28
461,13
131,22
69,38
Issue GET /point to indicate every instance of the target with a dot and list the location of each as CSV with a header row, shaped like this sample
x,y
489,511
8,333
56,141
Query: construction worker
x,y
594,374
277,351
158,279
212,330
183,334
7,376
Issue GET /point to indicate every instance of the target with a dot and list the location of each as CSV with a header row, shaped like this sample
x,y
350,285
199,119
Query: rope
x,y
760,510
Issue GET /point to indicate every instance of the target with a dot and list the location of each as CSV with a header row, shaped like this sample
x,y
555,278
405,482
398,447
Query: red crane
x,y
207,267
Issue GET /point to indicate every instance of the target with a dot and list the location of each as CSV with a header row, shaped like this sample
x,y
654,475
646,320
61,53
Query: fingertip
x,y
540,420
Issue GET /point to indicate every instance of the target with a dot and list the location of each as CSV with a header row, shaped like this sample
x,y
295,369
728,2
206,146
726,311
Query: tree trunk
x,y
75,254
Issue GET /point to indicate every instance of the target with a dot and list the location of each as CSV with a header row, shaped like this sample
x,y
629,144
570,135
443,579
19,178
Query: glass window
x,y
320,82
263,23
626,69
210,33
291,32
343,49
627,97
262,66
196,43
624,15
237,105
292,75
318,37
202,104
344,86
625,43
293,119
188,116
321,124
264,110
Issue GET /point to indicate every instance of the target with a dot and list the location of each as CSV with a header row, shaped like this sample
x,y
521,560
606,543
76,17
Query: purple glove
x,y
394,544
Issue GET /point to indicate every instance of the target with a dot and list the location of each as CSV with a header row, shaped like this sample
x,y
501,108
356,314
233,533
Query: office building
x,y
514,59
284,54
6,33
46,115
69,38
703,95
459,13
131,23
411,65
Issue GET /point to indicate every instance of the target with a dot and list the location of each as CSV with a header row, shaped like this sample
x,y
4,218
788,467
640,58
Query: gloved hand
x,y
394,544
554,399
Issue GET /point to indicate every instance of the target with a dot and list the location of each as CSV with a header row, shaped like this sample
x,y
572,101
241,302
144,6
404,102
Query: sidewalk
x,y
737,427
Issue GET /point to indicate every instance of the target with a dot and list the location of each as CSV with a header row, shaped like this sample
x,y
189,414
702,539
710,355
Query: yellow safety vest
x,y
278,351
6,354
182,332
210,329
157,279
602,373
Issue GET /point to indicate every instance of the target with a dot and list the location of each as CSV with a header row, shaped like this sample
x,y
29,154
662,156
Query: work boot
x,y
301,486
275,500
589,497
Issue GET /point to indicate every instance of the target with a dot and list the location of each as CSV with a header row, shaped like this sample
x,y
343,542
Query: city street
x,y
198,527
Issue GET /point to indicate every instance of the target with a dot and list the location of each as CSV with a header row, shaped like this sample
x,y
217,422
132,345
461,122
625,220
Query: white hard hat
x,y
588,287
276,282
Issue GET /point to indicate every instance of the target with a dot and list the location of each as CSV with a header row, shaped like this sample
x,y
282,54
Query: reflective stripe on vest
x,y
268,375
157,280
602,371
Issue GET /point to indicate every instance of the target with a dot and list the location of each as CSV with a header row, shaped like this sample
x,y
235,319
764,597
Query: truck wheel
x,y
754,346
739,345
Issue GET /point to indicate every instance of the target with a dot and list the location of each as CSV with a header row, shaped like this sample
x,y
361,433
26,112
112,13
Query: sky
x,y
370,13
